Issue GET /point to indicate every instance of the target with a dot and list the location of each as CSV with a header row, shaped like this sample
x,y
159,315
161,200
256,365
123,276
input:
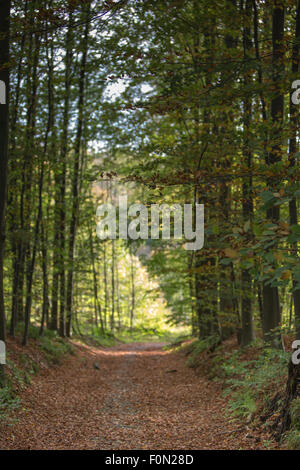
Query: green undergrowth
x,y
98,339
250,384
249,377
292,437
177,342
196,348
9,401
152,335
137,334
53,347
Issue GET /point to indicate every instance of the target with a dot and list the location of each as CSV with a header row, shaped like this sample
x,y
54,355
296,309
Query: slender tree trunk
x,y
194,322
247,308
13,183
4,118
45,307
62,171
105,286
257,55
76,169
58,284
118,294
132,307
97,305
30,274
23,243
205,306
271,306
227,317
293,148
112,317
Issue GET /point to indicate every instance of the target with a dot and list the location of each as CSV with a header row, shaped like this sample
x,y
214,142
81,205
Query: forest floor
x,y
133,396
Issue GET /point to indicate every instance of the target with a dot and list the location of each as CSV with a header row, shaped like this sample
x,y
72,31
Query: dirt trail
x,y
140,398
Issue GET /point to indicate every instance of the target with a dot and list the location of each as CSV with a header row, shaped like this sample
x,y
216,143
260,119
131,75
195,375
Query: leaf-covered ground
x,y
137,397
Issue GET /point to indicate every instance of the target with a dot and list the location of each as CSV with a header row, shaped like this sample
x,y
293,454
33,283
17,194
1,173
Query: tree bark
x,y
50,123
97,305
76,172
247,333
112,317
293,148
13,183
62,186
132,307
4,119
271,306
23,241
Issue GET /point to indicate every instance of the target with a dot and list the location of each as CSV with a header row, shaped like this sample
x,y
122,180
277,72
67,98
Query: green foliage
x,y
99,339
198,347
171,120
34,332
50,343
55,349
176,342
29,366
8,402
295,414
141,334
292,440
242,405
249,382
292,437
17,375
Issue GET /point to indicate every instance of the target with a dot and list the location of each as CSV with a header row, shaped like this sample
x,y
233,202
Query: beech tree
x,y
4,119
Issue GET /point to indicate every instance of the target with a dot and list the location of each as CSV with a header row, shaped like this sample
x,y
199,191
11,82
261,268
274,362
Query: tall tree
x,y
271,305
293,146
4,119
31,262
247,305
76,166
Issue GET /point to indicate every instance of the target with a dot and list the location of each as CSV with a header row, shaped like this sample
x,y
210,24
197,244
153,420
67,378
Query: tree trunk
x,y
271,306
4,117
62,179
132,307
247,333
112,317
118,292
97,305
49,126
45,307
293,148
12,183
105,286
26,202
76,172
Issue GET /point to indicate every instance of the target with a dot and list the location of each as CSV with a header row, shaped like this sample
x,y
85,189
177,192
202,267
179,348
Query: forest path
x,y
142,397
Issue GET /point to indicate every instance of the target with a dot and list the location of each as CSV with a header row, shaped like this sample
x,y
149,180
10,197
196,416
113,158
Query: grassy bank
x,y
252,379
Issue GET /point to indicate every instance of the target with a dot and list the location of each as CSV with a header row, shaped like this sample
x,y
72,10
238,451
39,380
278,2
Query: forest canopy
x,y
176,102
